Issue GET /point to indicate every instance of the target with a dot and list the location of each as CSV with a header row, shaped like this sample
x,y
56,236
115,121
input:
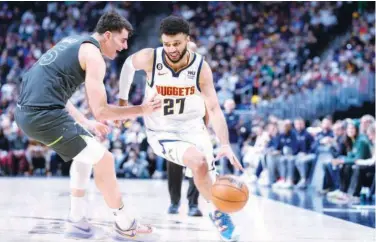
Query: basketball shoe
x,y
81,229
224,225
136,232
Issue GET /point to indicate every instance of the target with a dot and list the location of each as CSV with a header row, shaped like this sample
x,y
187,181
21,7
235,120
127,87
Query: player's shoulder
x,y
89,48
205,69
89,53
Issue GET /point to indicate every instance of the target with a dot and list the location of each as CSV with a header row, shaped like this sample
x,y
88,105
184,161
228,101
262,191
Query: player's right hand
x,y
151,105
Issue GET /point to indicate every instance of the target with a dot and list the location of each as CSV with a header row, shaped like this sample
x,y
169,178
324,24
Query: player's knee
x,y
93,153
80,174
200,168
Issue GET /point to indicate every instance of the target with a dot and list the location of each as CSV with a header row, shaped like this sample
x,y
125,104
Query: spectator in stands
x,y
365,122
254,154
272,156
340,168
337,149
288,146
322,140
18,145
364,171
305,155
4,152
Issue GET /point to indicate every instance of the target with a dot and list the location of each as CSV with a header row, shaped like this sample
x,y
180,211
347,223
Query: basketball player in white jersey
x,y
177,132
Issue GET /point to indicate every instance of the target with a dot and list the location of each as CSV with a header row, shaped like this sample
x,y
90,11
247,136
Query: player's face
x,y
175,46
114,43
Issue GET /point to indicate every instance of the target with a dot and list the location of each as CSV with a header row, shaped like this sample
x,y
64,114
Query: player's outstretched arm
x,y
217,118
141,60
92,62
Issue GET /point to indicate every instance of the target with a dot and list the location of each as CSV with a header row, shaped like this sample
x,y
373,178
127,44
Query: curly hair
x,y
173,25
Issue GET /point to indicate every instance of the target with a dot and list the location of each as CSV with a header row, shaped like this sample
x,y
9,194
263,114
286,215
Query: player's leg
x,y
204,178
77,144
196,161
126,225
175,181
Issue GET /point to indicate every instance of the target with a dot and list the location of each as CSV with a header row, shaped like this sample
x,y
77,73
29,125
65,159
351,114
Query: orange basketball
x,y
229,194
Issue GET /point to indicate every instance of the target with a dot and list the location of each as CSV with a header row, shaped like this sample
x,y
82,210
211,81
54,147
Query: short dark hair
x,y
173,25
113,22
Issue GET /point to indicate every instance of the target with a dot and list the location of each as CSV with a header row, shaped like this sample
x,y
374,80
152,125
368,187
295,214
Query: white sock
x,y
78,208
123,219
211,208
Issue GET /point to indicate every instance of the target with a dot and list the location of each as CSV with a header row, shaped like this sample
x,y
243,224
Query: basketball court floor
x,y
34,209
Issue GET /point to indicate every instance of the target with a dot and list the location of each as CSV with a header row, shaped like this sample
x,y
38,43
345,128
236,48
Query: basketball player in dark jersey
x,y
45,113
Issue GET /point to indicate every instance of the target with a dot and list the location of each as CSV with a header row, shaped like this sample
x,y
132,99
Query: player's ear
x,y
107,35
188,38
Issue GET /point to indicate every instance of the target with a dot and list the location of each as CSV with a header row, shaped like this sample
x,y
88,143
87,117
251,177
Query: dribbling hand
x,y
151,105
226,151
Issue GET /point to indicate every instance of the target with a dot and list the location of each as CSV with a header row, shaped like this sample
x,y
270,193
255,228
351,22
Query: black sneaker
x,y
194,211
173,209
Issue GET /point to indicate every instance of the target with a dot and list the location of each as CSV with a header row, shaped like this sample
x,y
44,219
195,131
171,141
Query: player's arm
x,y
141,60
92,62
218,120
76,114
214,111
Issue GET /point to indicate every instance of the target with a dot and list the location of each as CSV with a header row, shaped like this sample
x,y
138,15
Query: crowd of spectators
x,y
337,159
262,51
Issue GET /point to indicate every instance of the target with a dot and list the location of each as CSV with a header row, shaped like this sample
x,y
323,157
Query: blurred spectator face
x,y
273,130
286,126
338,129
299,125
365,122
229,105
114,42
351,131
326,124
371,133
175,46
257,131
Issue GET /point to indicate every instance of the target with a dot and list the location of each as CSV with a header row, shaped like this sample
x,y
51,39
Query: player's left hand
x,y
98,128
226,151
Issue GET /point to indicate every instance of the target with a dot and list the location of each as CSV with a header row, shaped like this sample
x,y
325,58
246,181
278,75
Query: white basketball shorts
x,y
172,146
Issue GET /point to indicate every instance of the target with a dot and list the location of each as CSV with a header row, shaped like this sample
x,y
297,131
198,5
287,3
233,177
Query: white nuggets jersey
x,y
183,108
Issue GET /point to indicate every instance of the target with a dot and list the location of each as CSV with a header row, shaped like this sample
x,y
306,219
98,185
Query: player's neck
x,y
98,38
180,64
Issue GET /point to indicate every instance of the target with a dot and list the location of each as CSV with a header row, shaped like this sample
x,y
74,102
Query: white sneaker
x,y
287,185
278,184
137,232
333,193
81,229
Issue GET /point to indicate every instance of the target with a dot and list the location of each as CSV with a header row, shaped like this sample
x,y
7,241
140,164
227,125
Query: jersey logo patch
x,y
159,66
191,74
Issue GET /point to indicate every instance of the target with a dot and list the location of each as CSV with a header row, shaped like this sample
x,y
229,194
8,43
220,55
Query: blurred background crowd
x,y
281,70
